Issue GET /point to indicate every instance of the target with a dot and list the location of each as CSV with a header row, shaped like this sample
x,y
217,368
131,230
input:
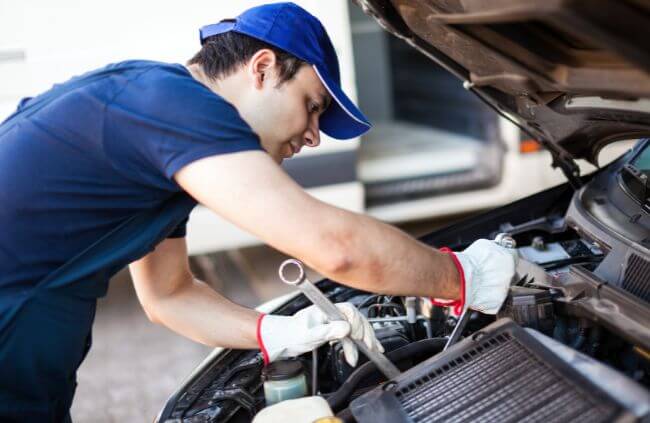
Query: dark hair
x,y
222,54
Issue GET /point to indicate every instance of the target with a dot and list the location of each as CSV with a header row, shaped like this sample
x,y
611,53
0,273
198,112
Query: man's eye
x,y
313,107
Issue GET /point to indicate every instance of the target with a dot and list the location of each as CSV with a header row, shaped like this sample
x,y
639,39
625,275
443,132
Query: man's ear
x,y
261,67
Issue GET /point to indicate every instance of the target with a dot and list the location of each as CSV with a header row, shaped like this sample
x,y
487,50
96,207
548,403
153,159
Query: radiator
x,y
503,374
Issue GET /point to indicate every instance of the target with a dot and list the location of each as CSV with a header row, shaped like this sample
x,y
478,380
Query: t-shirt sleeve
x,y
163,120
180,231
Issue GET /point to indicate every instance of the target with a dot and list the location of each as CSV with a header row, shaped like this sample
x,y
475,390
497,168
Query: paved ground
x,y
135,365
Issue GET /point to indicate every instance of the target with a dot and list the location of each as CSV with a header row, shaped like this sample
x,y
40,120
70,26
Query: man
x,y
93,175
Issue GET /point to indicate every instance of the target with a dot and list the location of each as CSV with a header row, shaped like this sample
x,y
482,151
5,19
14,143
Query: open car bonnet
x,y
574,74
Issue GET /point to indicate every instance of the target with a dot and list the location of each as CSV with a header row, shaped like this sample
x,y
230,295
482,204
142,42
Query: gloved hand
x,y
289,336
487,270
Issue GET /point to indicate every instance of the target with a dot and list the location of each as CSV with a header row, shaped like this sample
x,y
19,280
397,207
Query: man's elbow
x,y
337,263
149,308
338,255
354,267
157,295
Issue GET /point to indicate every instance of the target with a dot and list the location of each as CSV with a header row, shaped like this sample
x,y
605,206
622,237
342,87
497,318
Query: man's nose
x,y
312,134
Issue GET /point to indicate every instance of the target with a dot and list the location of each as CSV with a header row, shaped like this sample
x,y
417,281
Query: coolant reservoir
x,y
283,380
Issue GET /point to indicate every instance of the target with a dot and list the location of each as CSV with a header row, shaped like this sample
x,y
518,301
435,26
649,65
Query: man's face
x,y
285,116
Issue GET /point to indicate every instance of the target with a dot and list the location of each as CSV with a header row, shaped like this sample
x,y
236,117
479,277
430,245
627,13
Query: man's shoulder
x,y
138,65
167,92
174,119
161,84
147,75
150,67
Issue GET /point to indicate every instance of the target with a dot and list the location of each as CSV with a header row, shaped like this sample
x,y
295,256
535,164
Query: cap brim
x,y
342,119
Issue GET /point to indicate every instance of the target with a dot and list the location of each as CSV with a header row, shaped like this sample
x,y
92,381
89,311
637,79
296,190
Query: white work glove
x,y
289,336
488,269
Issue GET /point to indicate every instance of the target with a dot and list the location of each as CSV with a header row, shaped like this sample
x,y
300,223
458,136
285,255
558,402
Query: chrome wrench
x,y
458,329
334,314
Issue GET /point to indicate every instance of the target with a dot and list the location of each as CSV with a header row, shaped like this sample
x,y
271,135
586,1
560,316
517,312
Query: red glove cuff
x,y
265,354
457,304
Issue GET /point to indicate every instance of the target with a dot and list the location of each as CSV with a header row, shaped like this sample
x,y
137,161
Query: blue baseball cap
x,y
291,28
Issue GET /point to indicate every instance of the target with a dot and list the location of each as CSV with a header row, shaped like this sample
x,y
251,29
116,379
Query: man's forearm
x,y
385,259
198,312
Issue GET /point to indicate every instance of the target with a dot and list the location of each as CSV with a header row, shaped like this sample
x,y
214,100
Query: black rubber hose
x,y
338,399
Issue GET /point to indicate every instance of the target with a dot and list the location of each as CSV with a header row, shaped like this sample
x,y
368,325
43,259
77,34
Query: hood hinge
x,y
569,167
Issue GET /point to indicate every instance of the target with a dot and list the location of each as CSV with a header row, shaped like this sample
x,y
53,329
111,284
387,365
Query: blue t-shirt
x,y
81,158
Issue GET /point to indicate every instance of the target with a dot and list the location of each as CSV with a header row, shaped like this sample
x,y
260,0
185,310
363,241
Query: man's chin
x,y
281,155
278,159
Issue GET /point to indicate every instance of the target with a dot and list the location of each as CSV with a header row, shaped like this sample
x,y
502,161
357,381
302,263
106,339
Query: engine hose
x,y
338,399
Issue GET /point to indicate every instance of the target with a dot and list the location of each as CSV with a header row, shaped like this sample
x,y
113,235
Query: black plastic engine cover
x,y
501,373
530,307
389,337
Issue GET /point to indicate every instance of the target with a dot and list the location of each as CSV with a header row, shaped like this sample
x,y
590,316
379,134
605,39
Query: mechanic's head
x,y
277,65
278,95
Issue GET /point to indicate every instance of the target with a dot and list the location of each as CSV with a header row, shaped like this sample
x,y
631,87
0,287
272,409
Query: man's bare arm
x,y
254,193
171,296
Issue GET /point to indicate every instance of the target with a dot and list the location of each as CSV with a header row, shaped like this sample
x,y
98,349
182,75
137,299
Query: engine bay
x,y
412,330
577,325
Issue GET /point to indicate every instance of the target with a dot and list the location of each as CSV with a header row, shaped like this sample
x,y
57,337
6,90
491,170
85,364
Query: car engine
x,y
514,363
570,343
